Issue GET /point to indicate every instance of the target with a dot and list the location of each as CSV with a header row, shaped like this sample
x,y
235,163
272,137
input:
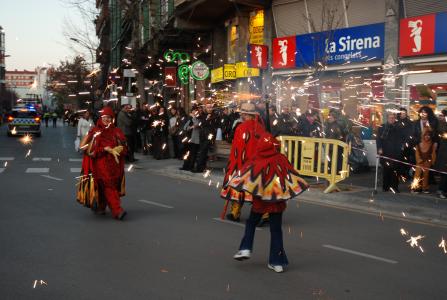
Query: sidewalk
x,y
357,192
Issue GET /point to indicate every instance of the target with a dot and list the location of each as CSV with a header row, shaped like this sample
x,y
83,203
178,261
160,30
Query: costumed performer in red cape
x,y
267,179
106,150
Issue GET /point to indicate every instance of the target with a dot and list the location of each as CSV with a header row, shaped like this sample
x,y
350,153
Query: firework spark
x,y
26,139
443,246
130,168
403,232
207,173
14,131
28,153
414,240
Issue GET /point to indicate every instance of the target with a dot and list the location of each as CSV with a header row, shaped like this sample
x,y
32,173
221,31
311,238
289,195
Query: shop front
x,y
341,70
423,56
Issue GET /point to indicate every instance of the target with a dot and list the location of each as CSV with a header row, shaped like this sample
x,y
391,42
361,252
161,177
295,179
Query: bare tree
x,y
81,35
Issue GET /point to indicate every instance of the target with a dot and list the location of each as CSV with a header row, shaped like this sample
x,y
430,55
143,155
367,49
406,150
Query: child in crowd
x,y
425,158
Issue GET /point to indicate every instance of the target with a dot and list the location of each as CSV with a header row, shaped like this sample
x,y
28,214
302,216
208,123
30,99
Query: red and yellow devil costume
x,y
105,160
257,172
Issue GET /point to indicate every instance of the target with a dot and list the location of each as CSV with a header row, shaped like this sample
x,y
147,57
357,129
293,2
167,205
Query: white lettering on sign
x,y
345,43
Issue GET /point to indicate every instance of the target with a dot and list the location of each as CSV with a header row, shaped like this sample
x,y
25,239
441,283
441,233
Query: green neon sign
x,y
183,73
172,56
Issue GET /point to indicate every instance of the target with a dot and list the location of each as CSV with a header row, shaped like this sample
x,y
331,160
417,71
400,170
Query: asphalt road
x,y
172,246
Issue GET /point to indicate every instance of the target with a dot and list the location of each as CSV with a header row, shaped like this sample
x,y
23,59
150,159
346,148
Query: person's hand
x,y
108,149
118,149
380,151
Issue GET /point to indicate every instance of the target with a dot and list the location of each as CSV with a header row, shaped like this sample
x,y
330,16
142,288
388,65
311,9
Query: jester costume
x,y
105,169
257,172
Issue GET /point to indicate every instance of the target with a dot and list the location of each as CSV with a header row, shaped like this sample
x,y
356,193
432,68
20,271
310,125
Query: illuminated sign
x,y
242,70
173,56
199,70
229,72
256,27
217,75
423,35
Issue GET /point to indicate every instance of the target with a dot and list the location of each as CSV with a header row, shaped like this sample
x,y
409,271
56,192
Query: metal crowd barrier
x,y
317,157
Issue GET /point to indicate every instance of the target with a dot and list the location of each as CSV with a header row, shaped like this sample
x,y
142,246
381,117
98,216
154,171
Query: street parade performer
x,y
257,172
104,158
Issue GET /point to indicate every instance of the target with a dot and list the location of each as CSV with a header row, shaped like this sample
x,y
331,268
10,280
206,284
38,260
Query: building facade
x,y
27,84
360,57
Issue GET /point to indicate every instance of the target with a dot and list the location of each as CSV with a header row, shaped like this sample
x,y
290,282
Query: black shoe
x,y
121,215
184,169
230,217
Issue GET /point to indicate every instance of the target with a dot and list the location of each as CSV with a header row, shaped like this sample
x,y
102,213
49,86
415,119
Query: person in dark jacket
x,y
160,125
308,124
441,162
426,118
208,129
389,145
406,127
126,123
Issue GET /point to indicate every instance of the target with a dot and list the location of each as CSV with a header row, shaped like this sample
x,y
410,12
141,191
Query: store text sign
x,y
423,35
284,52
354,45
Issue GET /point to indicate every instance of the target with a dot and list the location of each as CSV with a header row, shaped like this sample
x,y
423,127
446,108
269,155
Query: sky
x,y
33,32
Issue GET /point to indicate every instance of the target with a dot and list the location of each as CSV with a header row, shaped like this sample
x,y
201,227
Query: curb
x,y
373,208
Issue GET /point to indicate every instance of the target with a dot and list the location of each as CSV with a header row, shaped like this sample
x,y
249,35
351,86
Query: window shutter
x,y
413,8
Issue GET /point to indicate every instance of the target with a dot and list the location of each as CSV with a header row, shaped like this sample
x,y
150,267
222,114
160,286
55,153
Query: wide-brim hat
x,y
248,108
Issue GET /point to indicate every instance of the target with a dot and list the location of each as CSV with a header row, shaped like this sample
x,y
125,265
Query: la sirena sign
x,y
354,44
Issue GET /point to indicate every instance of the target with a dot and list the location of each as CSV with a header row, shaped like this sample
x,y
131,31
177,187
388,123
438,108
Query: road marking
x,y
233,223
156,204
37,170
2,169
51,177
390,261
7,158
75,170
75,159
41,158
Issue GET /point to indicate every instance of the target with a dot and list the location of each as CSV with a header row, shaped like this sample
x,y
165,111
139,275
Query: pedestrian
x,y
106,148
46,118
208,129
126,124
259,173
333,130
426,119
160,136
143,127
389,146
84,125
174,131
183,134
405,125
425,158
441,160
192,128
54,117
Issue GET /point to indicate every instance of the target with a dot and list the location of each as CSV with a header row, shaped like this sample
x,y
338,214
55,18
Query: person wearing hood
x,y
106,149
259,173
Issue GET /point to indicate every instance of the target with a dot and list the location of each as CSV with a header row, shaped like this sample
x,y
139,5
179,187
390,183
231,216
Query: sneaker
x,y
426,191
242,255
442,196
277,269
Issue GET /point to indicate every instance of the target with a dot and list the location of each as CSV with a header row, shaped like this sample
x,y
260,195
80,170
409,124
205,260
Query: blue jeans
x,y
278,256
